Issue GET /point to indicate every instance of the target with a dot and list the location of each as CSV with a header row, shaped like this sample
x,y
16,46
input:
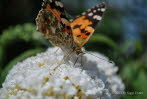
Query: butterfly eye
x,y
68,27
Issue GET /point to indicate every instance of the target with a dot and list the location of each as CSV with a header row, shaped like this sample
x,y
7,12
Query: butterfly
x,y
74,33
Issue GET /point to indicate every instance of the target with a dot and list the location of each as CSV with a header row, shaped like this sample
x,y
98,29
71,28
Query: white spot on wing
x,y
90,14
83,13
56,2
99,9
97,17
94,11
60,4
103,9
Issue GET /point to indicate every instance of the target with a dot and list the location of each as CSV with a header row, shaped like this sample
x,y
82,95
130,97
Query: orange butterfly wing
x,y
84,25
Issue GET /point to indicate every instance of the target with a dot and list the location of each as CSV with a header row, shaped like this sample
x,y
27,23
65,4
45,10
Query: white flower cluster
x,y
45,76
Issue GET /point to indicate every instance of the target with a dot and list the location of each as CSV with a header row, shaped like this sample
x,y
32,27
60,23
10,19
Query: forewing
x,y
56,7
84,25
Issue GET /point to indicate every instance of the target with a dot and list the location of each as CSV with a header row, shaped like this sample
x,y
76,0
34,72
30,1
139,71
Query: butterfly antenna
x,y
82,61
99,57
76,61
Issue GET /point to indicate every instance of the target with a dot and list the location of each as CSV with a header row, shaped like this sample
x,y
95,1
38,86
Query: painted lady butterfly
x,y
64,33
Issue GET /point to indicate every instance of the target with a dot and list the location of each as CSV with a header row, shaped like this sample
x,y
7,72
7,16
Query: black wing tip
x,y
44,3
102,5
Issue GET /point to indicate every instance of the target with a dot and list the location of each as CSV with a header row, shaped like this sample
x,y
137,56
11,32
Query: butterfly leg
x,y
81,57
67,57
82,62
56,51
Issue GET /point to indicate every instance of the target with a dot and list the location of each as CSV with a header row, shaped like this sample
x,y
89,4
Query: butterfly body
x,y
71,35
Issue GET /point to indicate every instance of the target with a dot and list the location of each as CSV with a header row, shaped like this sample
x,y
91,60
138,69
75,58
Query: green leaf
x,y
135,78
104,39
22,34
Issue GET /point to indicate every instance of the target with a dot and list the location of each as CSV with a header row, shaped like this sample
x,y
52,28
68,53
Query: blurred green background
x,y
122,36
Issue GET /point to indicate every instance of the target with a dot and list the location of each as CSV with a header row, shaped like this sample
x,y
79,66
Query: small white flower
x,y
46,76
